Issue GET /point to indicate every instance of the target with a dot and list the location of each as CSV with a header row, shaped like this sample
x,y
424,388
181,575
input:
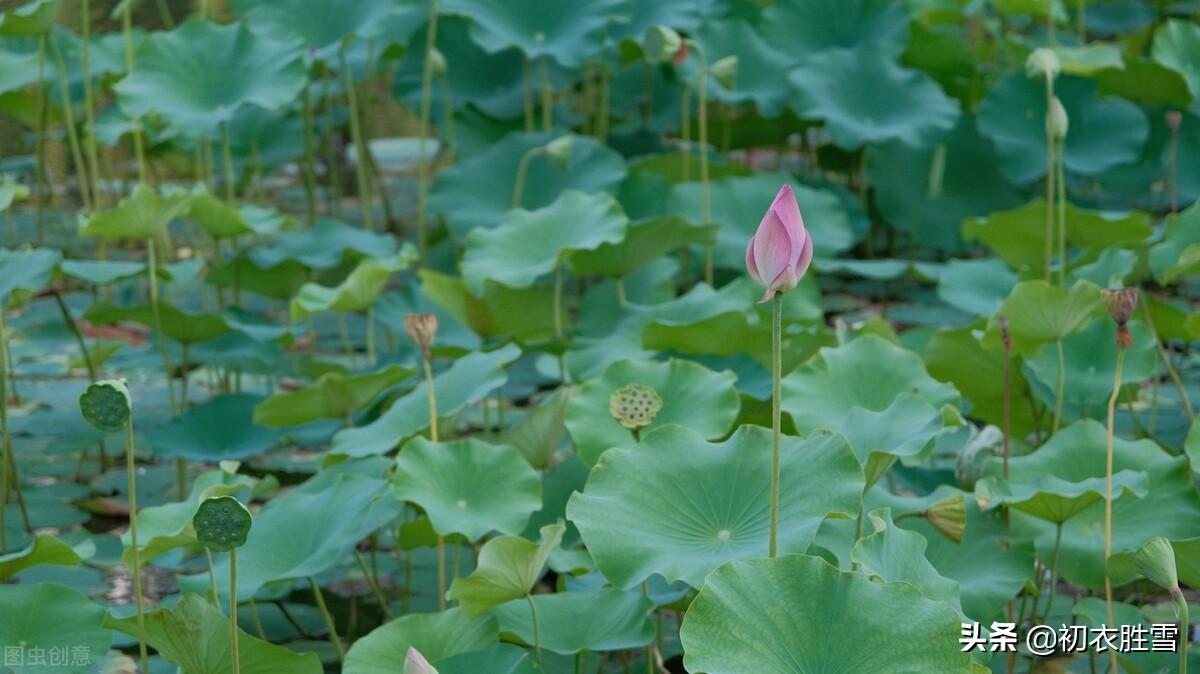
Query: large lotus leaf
x,y
799,614
692,396
758,66
865,97
569,33
358,291
1104,132
323,245
1019,235
225,220
507,569
467,381
221,428
142,215
1090,359
590,620
530,244
869,373
738,205
477,192
805,27
540,433
680,506
332,396
499,659
1168,258
43,616
32,18
976,286
893,554
520,313
28,269
168,526
1089,59
11,191
468,487
174,634
1135,520
322,25
103,272
311,529
957,357
929,190
1112,268
644,242
904,430
176,324
1177,46
1145,81
1039,313
1043,494
43,550
17,69
436,635
198,75
685,15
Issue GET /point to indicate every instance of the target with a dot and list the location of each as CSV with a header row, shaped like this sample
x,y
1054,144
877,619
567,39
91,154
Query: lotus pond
x,y
604,336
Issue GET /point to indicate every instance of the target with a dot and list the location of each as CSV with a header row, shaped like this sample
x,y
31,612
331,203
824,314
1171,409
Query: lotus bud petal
x,y
724,71
781,251
1056,120
421,329
415,663
661,44
1042,62
558,151
1121,304
949,517
1156,561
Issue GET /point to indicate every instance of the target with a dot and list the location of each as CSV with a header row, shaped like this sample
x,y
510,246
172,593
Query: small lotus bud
x,y
949,517
558,151
415,663
661,44
1056,120
781,250
725,71
1174,120
1005,335
1121,304
1156,561
421,329
634,406
437,61
1042,62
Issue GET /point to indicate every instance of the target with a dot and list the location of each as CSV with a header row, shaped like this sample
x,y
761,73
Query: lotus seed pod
x,y
949,517
634,406
415,663
661,44
421,329
221,523
725,71
558,151
1057,121
1121,304
1156,561
106,405
1042,62
438,61
1174,120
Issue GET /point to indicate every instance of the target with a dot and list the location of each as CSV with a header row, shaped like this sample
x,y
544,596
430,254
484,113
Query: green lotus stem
x,y
685,174
203,9
1062,383
1053,570
448,111
373,582
89,103
705,197
547,95
620,284
344,333
1181,608
537,628
214,596
776,417
431,399
1108,496
527,94
233,617
1061,181
499,409
325,615
371,336
227,164
40,183
558,302
152,272
164,13
605,104
138,149
1050,174
307,167
10,478
579,662
131,480
69,118
258,623
1081,20
441,572
334,175
523,172
423,165
1172,373
69,321
649,650
356,135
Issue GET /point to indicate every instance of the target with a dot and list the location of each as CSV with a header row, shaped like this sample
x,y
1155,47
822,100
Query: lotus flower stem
x,y
6,439
89,103
1061,183
1181,608
558,302
258,623
522,173
1173,121
1053,571
685,169
537,629
705,196
356,134
227,165
1050,174
423,164
431,397
776,417
152,278
547,95
214,596
81,173
333,174
605,104
1081,21
448,110
325,615
527,94
1172,373
1108,496
69,321
371,335
139,150
40,182
310,174
233,612
136,553
373,582
164,14
1062,383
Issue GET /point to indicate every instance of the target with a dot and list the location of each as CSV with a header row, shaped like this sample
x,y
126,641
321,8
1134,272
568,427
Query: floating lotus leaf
x,y
38,616
357,292
43,550
222,523
690,395
102,272
106,405
175,323
221,428
28,269
591,620
1176,44
798,613
332,396
1104,132
436,635
976,286
530,244
198,75
680,506
468,487
1038,313
507,569
539,435
570,34
142,215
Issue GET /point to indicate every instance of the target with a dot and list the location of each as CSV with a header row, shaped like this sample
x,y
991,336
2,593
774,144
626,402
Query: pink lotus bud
x,y
781,249
415,663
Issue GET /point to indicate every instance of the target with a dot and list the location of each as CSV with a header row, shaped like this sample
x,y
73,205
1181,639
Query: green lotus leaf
x,y
957,357
865,97
1135,519
530,244
798,613
106,405
1090,358
32,18
680,506
333,395
1018,236
571,622
28,269
468,487
519,313
1175,254
903,431
1049,497
869,373
43,550
224,220
357,292
19,69
220,428
929,190
976,286
693,396
39,616
894,555
1038,313
1145,81
477,192
1112,268
198,75
162,528
1176,45
507,569
644,242
540,433
759,65
570,34
1104,132
436,635
144,214
322,26
1087,60
685,15
467,381
739,203
805,27
500,658
323,245
172,633
176,324
11,191
102,272
222,523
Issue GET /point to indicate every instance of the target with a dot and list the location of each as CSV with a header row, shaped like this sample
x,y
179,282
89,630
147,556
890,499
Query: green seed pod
x,y
949,517
558,151
661,44
725,71
106,405
634,406
1156,561
222,523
